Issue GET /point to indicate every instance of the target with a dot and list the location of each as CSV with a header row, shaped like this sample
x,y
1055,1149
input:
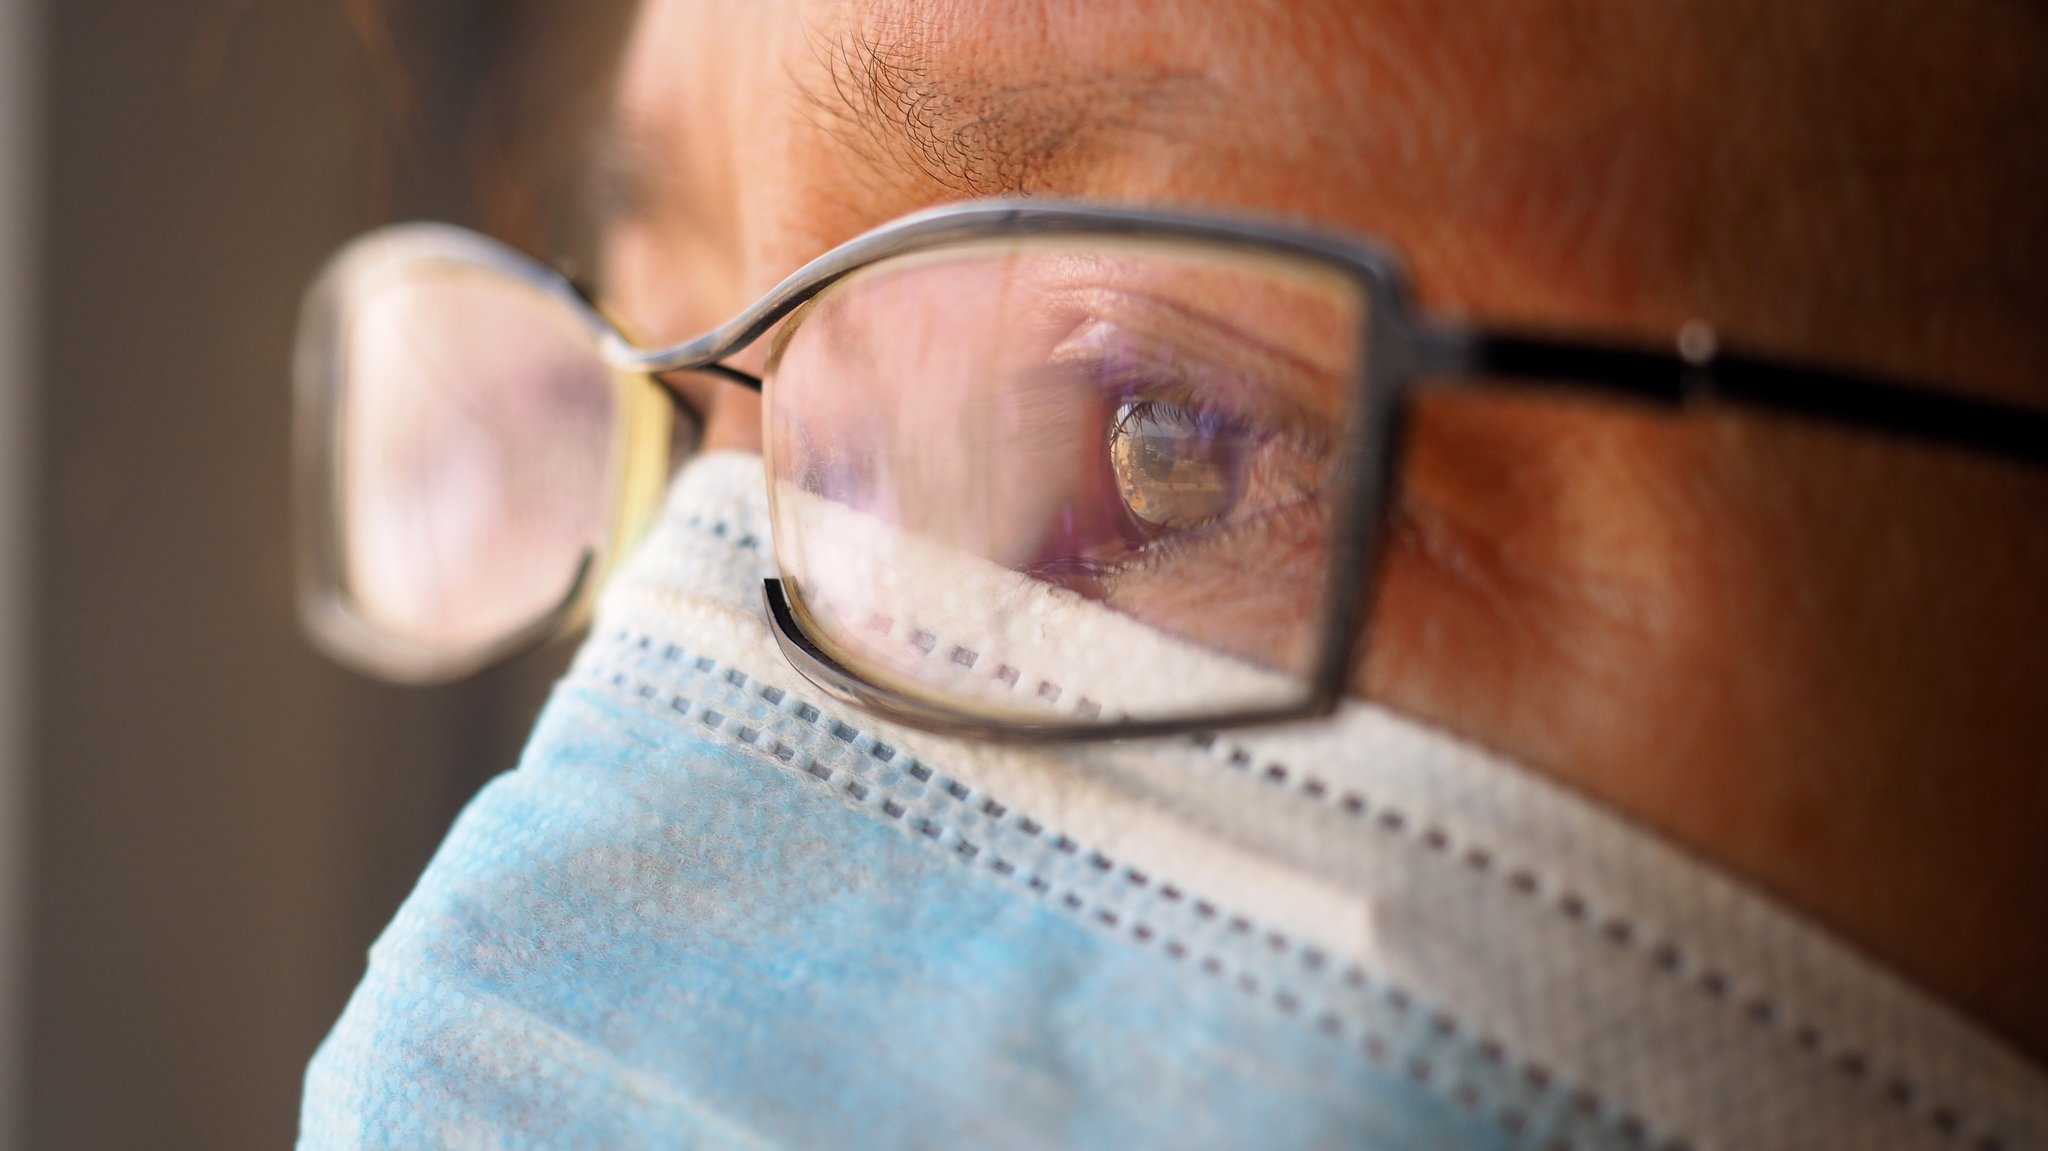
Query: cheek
x,y
1548,584
1704,615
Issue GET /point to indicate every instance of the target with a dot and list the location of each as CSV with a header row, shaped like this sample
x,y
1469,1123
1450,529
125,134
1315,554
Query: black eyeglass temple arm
x,y
733,376
1700,374
681,401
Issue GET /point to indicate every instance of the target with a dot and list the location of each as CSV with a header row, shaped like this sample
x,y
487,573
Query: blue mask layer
x,y
709,909
652,934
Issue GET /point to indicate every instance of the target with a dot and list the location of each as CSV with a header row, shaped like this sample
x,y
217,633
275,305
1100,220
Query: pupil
x,y
1175,468
1155,456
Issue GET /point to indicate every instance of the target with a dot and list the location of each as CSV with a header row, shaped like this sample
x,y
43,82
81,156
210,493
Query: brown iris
x,y
1176,469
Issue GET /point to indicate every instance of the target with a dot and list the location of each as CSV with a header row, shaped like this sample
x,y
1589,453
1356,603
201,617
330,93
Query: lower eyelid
x,y
1279,524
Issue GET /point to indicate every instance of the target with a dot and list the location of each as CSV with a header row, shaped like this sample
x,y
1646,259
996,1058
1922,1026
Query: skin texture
x,y
1813,657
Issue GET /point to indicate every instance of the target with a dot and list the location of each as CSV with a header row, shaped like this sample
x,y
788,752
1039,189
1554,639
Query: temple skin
x,y
1813,657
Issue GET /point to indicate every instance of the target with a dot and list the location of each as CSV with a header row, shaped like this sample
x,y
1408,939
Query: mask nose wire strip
x,y
1389,1025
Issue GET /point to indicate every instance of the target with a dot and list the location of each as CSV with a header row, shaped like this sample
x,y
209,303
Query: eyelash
x,y
1132,389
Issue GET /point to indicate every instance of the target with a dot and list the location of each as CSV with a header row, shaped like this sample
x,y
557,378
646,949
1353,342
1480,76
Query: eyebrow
x,y
904,107
898,101
629,173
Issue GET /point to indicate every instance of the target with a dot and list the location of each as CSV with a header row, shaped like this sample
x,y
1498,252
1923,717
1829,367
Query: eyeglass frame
x,y
1403,349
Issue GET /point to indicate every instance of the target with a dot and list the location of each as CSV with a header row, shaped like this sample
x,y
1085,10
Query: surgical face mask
x,y
713,908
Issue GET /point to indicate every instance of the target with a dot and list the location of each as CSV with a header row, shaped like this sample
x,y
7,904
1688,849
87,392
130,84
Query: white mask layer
x,y
1519,912
713,905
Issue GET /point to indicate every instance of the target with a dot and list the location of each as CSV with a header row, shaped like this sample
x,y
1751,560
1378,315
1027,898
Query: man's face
x,y
1759,637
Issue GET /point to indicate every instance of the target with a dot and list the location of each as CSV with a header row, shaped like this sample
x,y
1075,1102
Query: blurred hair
x,y
502,98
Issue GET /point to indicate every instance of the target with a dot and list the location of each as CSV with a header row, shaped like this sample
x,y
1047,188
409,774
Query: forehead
x,y
1802,176
1360,113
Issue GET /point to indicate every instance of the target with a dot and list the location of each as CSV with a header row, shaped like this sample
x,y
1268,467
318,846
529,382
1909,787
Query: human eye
x,y
1197,444
1152,429
1176,468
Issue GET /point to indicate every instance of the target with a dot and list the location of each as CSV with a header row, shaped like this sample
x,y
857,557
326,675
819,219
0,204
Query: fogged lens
x,y
474,426
1051,478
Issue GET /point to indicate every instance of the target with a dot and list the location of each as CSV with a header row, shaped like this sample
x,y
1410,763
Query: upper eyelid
x,y
1214,339
1303,403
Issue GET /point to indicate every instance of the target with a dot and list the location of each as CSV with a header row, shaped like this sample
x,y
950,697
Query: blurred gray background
x,y
202,824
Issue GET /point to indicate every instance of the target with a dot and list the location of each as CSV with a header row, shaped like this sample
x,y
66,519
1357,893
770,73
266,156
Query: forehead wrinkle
x,y
892,96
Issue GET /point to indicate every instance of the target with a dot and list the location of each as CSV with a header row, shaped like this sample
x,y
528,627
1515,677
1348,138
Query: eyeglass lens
x,y
474,455
999,471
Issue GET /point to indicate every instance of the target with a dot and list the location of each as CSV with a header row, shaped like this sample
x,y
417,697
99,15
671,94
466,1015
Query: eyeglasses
x,y
1006,443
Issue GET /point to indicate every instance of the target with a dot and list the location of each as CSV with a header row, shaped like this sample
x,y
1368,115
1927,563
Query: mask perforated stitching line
x,y
927,642
719,528
1764,1009
1569,1107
